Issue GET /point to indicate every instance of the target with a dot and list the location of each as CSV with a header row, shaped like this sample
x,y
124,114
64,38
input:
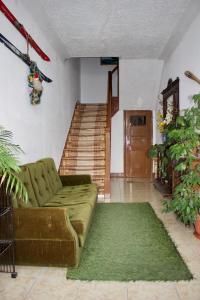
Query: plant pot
x,y
197,227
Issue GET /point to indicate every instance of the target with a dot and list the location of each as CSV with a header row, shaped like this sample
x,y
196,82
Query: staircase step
x,y
89,149
87,132
74,171
85,144
93,130
99,182
78,161
94,106
84,155
74,165
84,119
86,138
87,126
90,113
83,159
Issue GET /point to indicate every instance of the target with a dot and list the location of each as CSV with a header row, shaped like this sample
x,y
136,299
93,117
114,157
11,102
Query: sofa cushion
x,y
85,193
24,176
51,174
62,200
85,188
79,215
41,186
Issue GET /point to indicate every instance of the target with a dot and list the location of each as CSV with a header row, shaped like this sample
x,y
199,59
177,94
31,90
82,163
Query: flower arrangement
x,y
163,122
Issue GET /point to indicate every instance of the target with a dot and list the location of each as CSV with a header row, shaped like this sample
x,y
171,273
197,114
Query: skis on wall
x,y
22,30
22,56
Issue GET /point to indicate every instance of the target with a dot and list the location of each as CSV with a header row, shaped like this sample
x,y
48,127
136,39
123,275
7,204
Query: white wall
x,y
40,130
185,57
94,80
139,82
117,143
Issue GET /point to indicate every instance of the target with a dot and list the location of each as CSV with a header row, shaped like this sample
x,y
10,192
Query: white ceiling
x,y
124,28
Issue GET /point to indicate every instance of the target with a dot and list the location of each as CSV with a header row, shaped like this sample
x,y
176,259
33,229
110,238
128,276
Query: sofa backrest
x,y
40,183
24,176
51,174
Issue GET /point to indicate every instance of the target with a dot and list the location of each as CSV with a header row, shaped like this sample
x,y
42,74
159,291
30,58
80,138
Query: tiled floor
x,y
34,283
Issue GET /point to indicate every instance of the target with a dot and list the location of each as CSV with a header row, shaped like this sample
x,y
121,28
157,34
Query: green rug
x,y
127,242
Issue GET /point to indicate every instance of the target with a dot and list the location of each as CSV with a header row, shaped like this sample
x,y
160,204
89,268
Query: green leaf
x,y
9,165
181,167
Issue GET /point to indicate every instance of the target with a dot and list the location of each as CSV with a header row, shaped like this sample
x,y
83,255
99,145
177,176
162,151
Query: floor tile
x,y
15,289
53,284
153,291
102,291
189,291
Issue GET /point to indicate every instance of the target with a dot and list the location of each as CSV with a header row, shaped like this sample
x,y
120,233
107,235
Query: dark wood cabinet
x,y
164,178
166,184
7,243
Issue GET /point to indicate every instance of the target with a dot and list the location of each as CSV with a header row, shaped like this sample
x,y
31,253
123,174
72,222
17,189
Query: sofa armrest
x,y
43,223
75,179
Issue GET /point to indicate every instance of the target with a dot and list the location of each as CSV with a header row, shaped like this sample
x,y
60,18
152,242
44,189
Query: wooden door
x,y
138,139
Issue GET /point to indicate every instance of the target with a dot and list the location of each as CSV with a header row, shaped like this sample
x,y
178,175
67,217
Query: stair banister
x,y
108,136
112,108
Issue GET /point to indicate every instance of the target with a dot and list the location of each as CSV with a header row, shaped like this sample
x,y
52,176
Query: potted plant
x,y
184,139
160,150
9,166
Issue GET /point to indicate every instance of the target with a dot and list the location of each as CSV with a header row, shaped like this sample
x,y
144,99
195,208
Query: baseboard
x,y
119,175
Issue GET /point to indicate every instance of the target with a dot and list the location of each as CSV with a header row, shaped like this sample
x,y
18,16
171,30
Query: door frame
x,y
124,121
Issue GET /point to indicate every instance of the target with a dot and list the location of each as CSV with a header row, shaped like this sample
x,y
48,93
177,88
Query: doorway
x,y
138,139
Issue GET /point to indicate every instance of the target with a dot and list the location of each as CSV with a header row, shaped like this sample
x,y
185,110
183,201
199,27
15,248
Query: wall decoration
x,y
192,76
35,77
35,83
4,9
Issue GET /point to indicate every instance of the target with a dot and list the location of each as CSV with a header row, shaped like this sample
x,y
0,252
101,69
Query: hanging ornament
x,y
35,83
34,80
35,77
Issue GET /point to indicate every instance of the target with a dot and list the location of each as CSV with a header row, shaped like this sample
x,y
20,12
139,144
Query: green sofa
x,y
51,228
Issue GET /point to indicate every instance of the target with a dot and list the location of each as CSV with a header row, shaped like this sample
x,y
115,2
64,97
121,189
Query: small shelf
x,y
4,211
7,243
4,245
164,189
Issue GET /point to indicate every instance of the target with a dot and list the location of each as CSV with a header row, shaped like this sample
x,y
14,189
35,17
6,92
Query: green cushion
x,y
40,183
75,179
85,193
79,215
51,174
24,176
85,188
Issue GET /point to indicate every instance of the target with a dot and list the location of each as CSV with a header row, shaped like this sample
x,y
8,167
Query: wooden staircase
x,y
84,151
88,146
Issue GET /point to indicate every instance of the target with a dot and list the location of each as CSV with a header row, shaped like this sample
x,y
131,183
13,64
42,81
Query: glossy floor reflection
x,y
39,283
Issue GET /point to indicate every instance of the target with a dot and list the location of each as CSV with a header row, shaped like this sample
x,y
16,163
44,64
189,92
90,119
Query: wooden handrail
x,y
108,132
109,100
115,69
107,160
